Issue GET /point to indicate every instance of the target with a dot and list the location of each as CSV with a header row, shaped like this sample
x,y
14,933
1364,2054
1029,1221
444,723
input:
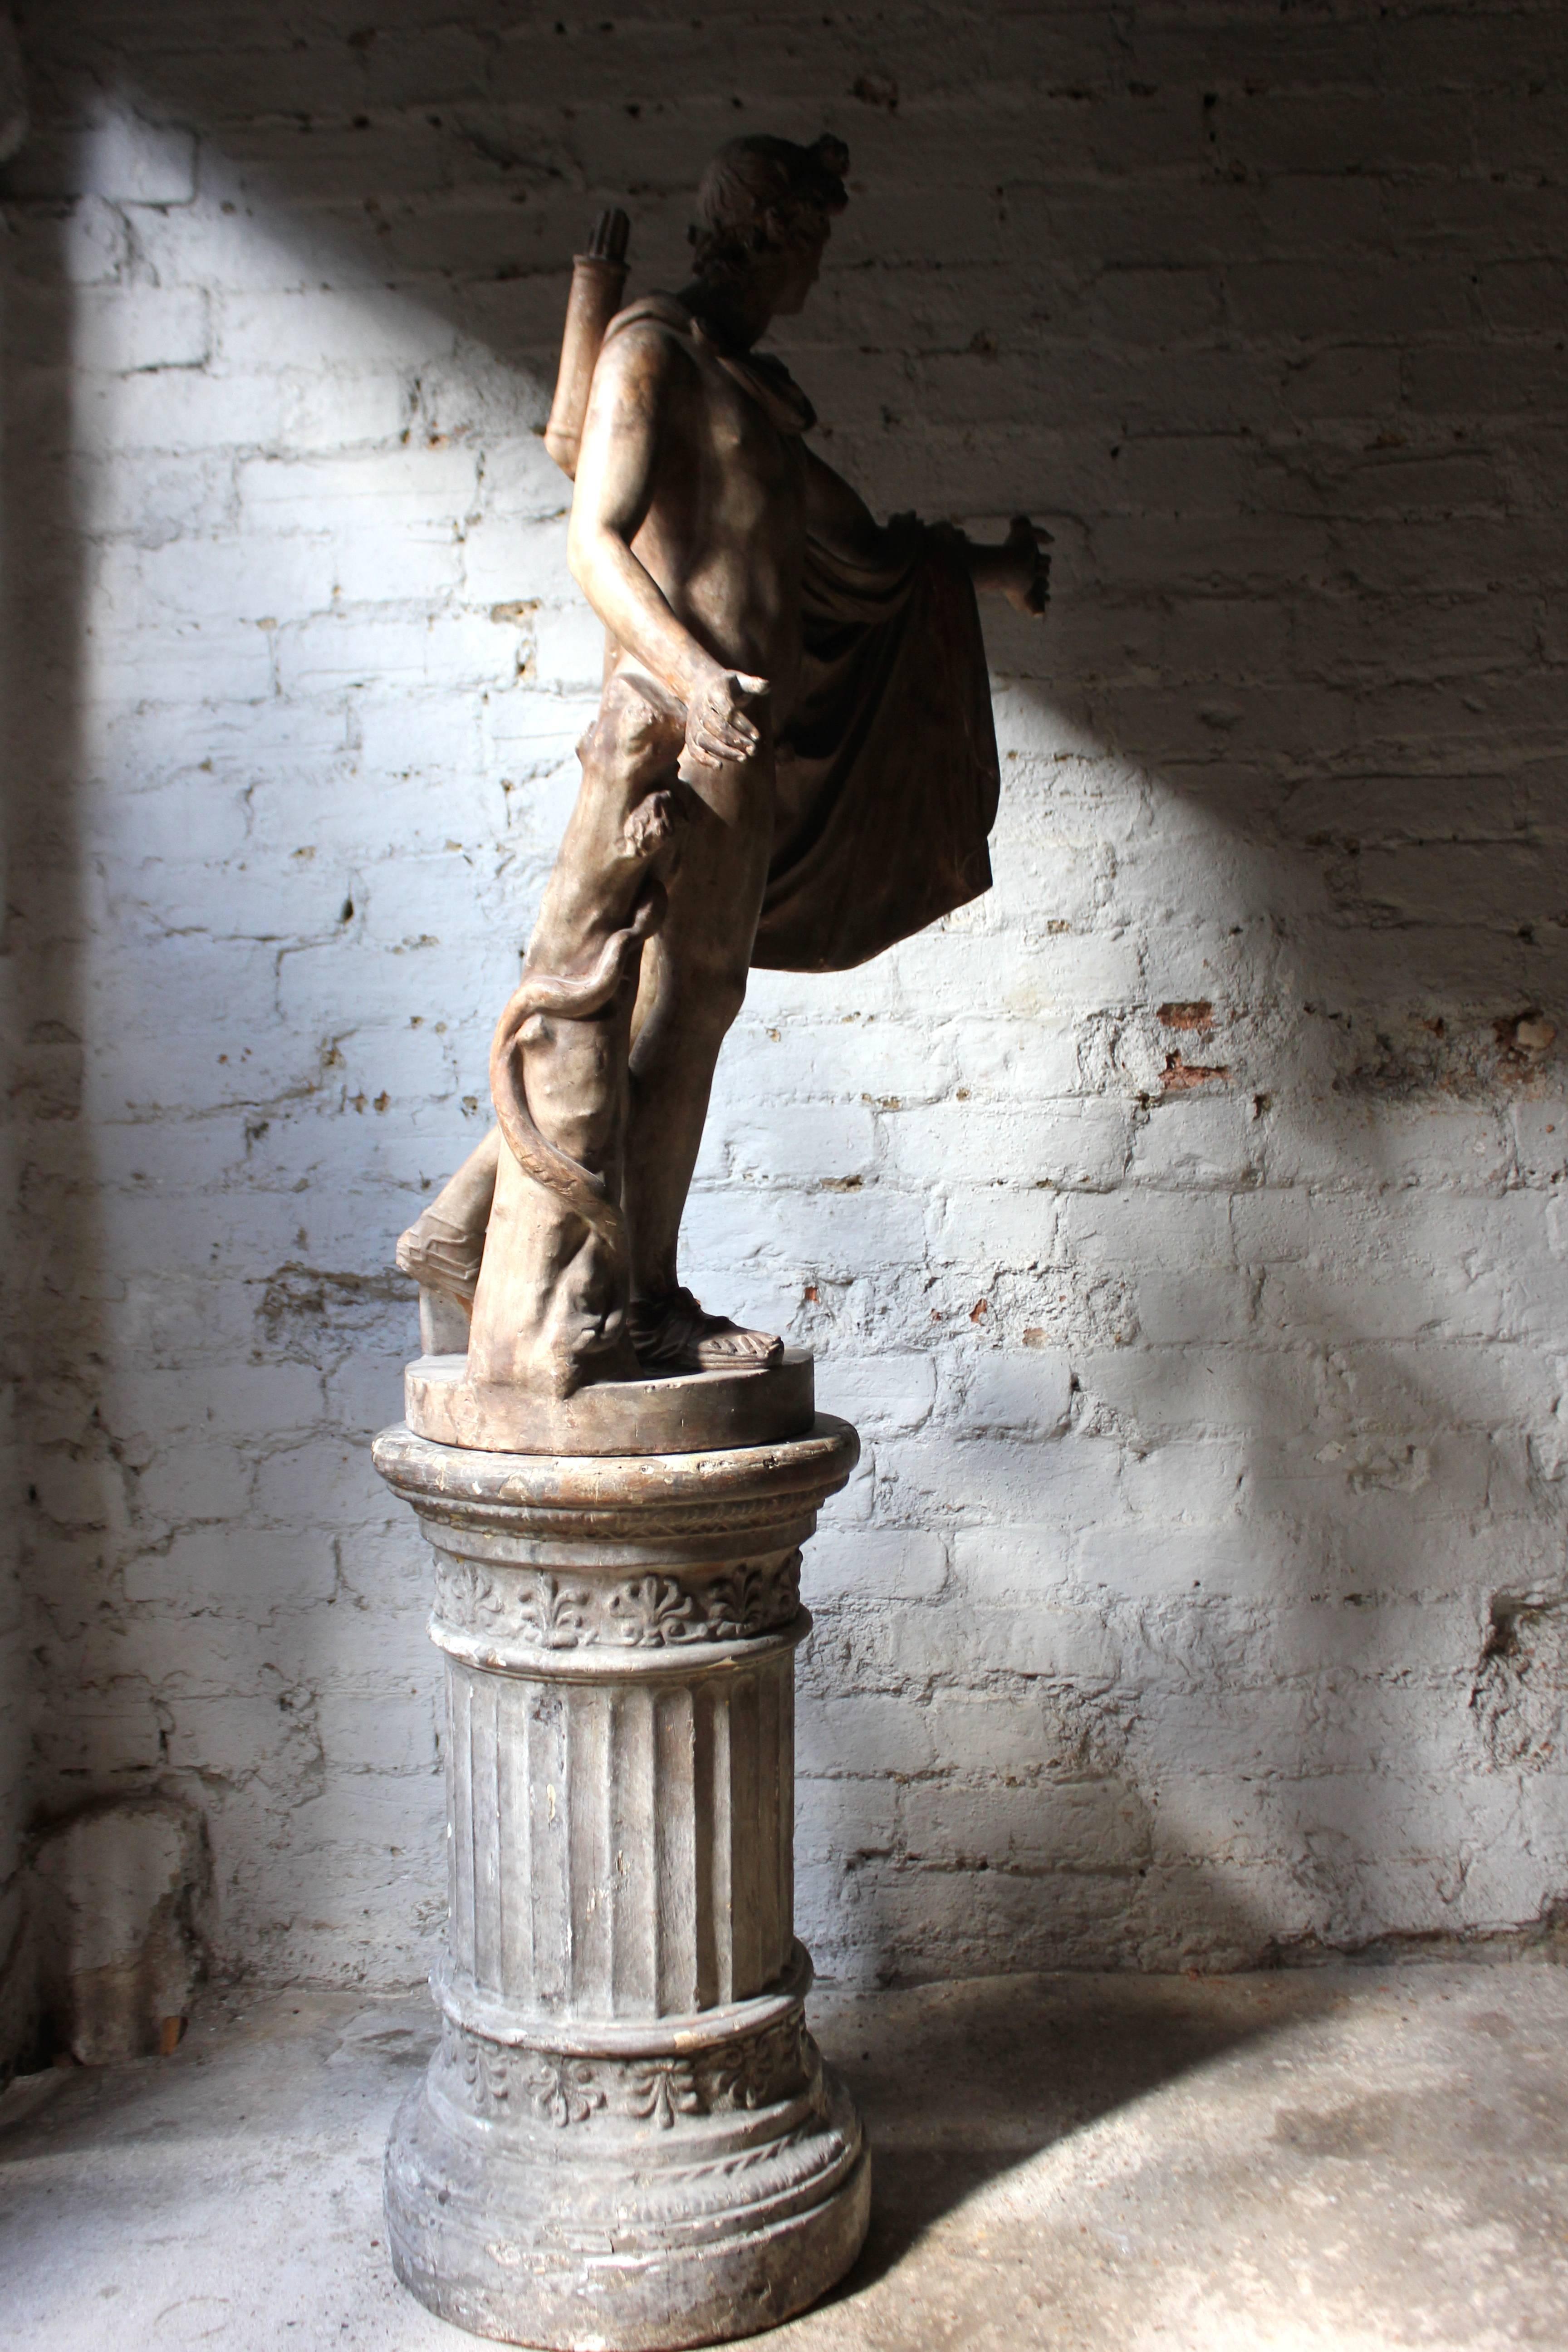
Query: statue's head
x,y
765,206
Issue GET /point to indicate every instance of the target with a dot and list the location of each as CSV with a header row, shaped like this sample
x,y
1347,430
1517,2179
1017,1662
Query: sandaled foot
x,y
442,1256
672,1334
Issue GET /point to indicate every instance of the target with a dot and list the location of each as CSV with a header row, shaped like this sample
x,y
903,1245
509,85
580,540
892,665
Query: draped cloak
x,y
887,773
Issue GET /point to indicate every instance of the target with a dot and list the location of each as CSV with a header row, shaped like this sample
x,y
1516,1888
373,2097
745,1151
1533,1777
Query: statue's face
x,y
802,262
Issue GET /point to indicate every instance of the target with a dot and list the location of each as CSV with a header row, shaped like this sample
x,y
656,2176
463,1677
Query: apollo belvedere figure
x,y
793,766
626,2134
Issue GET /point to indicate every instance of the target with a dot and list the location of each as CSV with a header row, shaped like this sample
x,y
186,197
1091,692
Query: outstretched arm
x,y
1020,567
613,486
838,519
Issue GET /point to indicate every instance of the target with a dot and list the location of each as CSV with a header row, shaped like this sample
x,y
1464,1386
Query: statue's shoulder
x,y
657,323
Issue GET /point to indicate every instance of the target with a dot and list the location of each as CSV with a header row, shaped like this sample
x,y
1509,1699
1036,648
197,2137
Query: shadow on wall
x,y
1228,1465
56,1276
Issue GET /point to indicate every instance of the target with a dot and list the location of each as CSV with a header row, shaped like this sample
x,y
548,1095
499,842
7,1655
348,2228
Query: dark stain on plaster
x,y
1519,1698
299,1299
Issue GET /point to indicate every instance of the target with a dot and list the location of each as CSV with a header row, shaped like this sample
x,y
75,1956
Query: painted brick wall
x,y
1182,1225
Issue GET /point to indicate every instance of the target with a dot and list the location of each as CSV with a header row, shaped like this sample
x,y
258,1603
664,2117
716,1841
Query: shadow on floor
x,y
959,2084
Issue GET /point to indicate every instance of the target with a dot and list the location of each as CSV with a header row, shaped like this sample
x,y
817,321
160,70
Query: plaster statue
x,y
793,766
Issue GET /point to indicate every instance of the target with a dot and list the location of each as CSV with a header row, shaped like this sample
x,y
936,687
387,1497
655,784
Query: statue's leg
x,y
693,985
550,1309
443,1246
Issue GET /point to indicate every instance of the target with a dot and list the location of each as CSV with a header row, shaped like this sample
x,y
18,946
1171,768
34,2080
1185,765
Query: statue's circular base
x,y
680,1412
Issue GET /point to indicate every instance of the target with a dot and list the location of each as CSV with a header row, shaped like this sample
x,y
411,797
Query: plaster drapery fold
x,y
888,779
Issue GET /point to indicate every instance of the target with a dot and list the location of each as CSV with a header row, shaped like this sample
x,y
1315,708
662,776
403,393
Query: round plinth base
x,y
684,1413
625,2205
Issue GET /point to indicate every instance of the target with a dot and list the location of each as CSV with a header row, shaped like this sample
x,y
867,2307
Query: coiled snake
x,y
579,1189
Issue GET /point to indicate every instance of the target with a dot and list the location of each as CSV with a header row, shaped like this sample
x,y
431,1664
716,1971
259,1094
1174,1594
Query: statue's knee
x,y
712,1000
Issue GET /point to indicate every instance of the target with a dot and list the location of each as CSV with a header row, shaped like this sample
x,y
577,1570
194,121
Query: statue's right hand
x,y
719,730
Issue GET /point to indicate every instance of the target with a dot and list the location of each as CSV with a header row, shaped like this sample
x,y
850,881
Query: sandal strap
x,y
669,1331
666,1330
436,1262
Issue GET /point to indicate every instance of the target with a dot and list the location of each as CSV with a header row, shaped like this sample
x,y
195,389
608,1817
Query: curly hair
x,y
748,180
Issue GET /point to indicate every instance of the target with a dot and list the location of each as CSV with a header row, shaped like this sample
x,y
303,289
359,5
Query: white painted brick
x,y
888,1391
993,1227
1199,1480
423,563
235,1400
360,1732
833,1818
1011,1733
1374,1299
120,334
403,732
191,816
307,817
390,491
1160,1390
1029,1394
323,1486
1205,1303
1541,1132
522,480
1068,1484
1404,1144
361,647
1197,1142
235,1572
1179,1231
197,1482
507,556
94,241
364,328
1016,1059
865,1736
864,1055
1012,1563
1180,1565
1096,1827
1431,1383
230,663
180,492
113,1732
1069,1143
193,579
838,1235
569,647
338,411
121,157
238,1738
1283,745
805,1142
883,1564
1060,1644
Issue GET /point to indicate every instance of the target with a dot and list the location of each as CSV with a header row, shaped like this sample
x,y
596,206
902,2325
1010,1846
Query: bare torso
x,y
689,521
725,534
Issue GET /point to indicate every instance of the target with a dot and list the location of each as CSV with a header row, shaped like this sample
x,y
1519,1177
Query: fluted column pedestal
x,y
627,2137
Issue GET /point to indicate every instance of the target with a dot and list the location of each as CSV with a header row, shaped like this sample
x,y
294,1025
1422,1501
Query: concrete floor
x,y
1344,2158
